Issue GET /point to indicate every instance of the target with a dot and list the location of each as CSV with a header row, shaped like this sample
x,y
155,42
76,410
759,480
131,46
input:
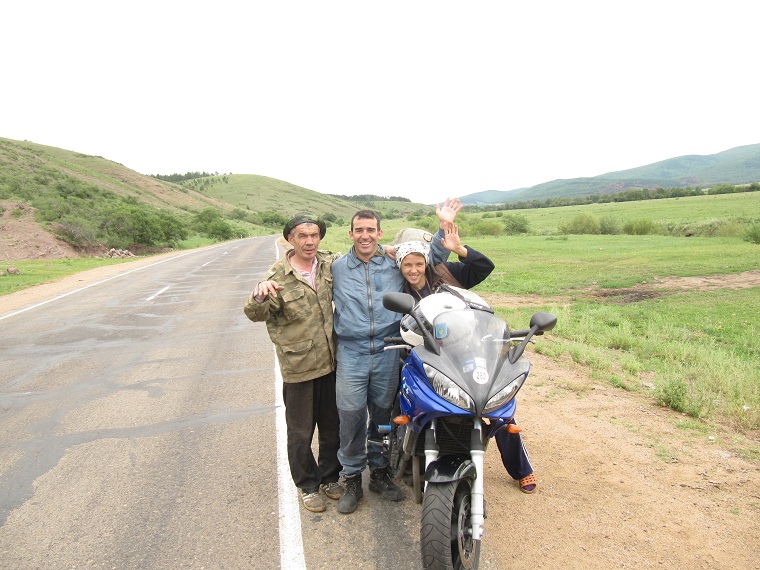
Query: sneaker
x,y
313,502
380,482
351,495
333,490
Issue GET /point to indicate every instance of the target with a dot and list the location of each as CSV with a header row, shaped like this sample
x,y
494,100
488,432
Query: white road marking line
x,y
291,541
157,293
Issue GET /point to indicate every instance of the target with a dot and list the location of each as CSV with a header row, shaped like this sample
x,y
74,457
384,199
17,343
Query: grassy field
x,y
35,272
43,271
697,350
679,211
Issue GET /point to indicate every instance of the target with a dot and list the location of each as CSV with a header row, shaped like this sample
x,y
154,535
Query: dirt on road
x,y
622,482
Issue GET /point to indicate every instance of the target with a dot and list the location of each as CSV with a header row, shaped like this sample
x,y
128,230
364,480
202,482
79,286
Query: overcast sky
x,y
423,99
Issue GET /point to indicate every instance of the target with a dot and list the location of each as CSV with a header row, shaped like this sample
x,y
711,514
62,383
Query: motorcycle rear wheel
x,y
445,533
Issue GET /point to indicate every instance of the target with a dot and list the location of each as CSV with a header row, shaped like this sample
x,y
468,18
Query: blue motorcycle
x,y
462,370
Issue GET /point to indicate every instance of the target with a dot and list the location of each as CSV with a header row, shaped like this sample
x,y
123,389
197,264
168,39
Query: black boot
x,y
380,482
350,499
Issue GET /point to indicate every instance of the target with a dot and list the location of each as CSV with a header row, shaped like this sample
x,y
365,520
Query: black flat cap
x,y
299,219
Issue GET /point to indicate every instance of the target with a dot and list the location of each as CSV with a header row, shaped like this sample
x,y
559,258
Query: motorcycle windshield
x,y
474,347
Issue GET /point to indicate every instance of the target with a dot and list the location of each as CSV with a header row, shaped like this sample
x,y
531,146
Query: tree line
x,y
177,178
372,198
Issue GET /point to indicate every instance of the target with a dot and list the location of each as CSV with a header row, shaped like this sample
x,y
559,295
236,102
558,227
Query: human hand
x,y
268,288
451,239
390,251
448,212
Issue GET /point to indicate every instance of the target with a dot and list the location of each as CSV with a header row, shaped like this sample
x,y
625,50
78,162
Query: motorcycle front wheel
x,y
445,533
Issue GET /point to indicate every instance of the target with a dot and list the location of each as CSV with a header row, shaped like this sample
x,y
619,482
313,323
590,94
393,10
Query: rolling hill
x,y
72,200
25,165
740,165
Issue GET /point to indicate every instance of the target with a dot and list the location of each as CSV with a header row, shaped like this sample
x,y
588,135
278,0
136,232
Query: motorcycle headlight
x,y
448,390
504,395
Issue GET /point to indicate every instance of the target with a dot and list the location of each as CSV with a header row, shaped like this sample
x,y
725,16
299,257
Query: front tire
x,y
446,533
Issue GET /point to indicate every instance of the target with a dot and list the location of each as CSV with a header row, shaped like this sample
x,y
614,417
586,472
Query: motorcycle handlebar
x,y
522,334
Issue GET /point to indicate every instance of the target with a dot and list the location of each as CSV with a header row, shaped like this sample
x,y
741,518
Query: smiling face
x,y
413,270
305,241
366,235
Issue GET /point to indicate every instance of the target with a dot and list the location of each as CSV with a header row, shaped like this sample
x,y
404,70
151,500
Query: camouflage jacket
x,y
299,320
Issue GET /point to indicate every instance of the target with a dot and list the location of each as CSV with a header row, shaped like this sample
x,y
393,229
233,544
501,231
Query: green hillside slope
x,y
91,202
262,193
26,168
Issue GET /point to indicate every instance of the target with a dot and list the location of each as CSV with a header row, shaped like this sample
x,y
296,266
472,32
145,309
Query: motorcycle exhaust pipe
x,y
403,462
407,446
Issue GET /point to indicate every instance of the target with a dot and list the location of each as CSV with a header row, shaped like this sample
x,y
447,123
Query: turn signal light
x,y
401,420
512,428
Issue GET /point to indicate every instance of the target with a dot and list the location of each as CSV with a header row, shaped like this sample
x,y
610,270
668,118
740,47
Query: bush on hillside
x,y
237,214
272,219
483,228
416,215
582,224
752,233
724,227
76,231
641,227
209,223
515,224
609,226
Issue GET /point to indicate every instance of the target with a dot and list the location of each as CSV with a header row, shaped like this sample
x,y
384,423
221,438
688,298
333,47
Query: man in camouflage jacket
x,y
295,301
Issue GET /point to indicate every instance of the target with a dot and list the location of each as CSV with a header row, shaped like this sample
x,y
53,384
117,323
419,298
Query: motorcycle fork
x,y
431,447
477,500
477,456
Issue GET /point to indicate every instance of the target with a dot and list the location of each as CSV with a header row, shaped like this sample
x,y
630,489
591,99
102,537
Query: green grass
x,y
43,271
701,347
261,193
677,211
36,272
546,265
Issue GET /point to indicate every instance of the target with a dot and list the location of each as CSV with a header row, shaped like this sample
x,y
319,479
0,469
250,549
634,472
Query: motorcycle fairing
x,y
474,355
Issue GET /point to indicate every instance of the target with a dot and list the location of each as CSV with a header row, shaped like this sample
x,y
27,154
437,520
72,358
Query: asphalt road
x,y
139,429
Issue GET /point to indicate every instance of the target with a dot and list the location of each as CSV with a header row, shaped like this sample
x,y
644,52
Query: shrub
x,y
76,231
582,224
515,224
752,233
210,223
270,219
673,393
609,226
237,214
640,227
484,228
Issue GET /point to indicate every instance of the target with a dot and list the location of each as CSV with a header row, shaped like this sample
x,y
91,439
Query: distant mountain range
x,y
740,165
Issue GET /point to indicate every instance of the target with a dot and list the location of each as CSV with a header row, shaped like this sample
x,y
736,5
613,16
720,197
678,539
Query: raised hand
x,y
448,212
451,239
